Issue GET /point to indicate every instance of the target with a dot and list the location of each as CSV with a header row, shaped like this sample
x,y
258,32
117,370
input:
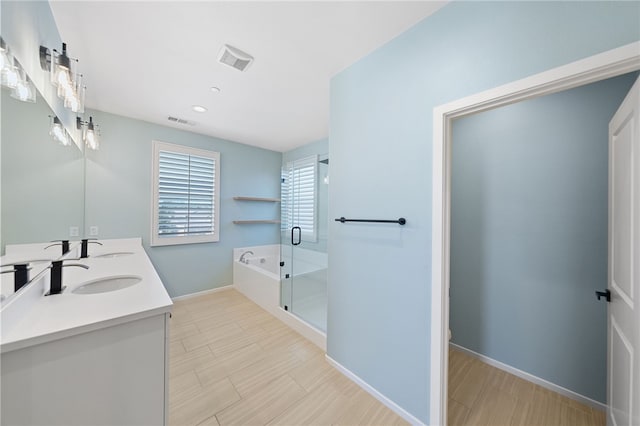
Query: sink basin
x,y
105,285
117,254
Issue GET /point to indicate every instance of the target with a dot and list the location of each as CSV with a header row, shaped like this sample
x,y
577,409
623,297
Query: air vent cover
x,y
235,58
180,121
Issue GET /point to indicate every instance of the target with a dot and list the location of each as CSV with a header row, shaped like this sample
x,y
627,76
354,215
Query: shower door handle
x,y
299,235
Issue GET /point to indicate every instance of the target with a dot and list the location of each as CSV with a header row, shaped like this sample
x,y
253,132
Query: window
x,y
186,184
299,194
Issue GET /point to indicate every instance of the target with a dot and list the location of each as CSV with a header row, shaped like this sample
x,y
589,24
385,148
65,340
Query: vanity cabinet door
x,y
111,376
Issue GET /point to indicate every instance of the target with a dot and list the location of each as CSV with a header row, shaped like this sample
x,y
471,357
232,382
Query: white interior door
x,y
623,382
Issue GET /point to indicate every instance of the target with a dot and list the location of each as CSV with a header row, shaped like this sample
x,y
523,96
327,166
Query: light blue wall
x,y
380,147
118,199
529,234
317,147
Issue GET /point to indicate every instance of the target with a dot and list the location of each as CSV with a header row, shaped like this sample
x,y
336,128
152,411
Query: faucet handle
x,y
21,274
84,248
61,263
63,243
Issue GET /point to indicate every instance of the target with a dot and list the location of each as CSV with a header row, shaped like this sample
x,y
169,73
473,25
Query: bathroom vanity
x,y
97,353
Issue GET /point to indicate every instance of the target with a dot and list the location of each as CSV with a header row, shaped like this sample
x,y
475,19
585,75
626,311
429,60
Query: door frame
x,y
598,67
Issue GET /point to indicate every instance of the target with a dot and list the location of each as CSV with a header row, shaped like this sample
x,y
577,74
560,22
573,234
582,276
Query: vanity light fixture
x,y
13,76
58,132
90,134
64,77
199,108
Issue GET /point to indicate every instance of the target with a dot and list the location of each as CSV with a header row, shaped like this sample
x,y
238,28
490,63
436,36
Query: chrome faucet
x,y
242,259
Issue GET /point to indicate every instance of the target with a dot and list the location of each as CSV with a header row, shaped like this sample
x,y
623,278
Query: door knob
x,y
606,294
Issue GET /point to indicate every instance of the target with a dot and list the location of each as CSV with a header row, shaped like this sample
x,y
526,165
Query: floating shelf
x,y
246,222
269,200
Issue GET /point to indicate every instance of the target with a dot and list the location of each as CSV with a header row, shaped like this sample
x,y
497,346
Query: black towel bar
x,y
401,221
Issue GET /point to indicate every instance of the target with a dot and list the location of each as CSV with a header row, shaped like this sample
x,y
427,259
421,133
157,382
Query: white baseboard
x,y
373,392
202,293
308,331
531,378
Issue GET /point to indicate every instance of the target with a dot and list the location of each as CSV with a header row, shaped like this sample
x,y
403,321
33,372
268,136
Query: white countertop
x,y
32,318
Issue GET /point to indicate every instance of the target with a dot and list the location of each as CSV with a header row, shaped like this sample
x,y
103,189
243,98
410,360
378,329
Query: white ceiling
x,y
150,60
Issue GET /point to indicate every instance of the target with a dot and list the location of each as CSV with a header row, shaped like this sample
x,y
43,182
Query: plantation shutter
x,y
300,193
185,197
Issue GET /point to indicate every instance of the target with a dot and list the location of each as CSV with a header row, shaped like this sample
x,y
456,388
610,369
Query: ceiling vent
x,y
235,58
177,120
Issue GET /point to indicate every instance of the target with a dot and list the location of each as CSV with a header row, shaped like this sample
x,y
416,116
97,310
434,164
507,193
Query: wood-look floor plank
x,y
200,403
211,335
189,361
264,404
262,372
313,372
233,363
211,421
457,413
480,394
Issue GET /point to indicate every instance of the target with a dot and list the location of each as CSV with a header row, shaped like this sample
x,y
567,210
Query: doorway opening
x,y
528,250
598,67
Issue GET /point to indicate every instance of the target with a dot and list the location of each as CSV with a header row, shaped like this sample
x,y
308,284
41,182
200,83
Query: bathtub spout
x,y
242,259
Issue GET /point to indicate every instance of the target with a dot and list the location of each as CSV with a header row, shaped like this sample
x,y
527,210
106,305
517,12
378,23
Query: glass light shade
x,y
62,77
65,89
5,59
58,133
74,99
9,76
91,138
24,91
62,73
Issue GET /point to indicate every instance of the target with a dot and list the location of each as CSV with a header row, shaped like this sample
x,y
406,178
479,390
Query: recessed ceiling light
x,y
215,89
199,108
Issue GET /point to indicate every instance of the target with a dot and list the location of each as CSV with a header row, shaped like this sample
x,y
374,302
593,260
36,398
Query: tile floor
x,y
232,363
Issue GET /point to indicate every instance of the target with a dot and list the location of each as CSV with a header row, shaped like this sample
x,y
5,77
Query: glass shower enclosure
x,y
303,239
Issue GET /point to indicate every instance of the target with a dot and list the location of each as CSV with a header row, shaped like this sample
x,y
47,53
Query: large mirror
x,y
41,181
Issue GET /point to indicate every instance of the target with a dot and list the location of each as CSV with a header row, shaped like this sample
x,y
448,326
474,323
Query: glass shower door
x,y
303,239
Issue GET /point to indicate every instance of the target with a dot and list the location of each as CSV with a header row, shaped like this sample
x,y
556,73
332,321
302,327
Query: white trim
x,y
373,392
201,293
307,331
604,65
155,239
533,379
